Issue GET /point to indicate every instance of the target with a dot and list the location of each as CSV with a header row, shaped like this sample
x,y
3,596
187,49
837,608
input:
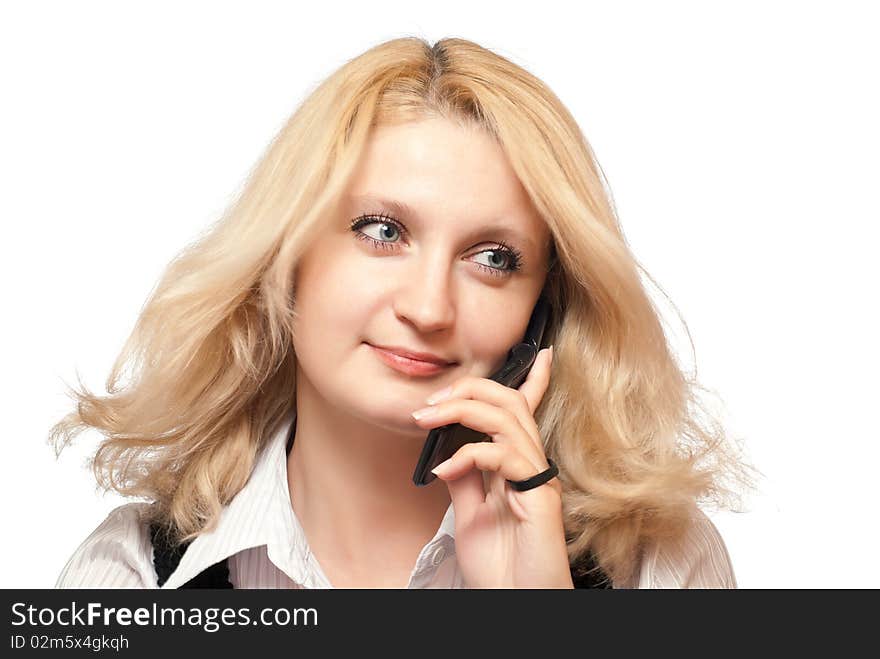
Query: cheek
x,y
490,338
332,303
336,269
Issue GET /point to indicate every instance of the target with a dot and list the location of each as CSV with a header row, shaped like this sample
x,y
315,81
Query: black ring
x,y
537,479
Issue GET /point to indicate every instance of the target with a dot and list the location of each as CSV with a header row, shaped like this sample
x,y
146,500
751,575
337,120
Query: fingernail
x,y
441,468
437,396
424,412
551,353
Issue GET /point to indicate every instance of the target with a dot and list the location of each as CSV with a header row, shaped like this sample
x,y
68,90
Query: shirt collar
x,y
261,514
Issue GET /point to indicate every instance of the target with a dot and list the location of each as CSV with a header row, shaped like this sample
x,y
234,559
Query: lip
x,y
409,362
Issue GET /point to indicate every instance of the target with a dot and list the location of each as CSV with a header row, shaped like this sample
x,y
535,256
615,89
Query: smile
x,y
409,366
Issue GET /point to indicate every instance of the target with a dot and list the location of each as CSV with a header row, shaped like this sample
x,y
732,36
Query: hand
x,y
503,538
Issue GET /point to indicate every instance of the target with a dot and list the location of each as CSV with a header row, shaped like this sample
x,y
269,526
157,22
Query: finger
x,y
521,402
535,385
487,456
467,493
532,389
499,423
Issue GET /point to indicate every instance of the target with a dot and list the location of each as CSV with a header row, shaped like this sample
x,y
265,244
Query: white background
x,y
740,142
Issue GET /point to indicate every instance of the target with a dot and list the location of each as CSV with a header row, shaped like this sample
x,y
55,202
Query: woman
x,y
417,203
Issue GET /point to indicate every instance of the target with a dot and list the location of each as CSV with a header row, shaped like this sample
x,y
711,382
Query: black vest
x,y
166,557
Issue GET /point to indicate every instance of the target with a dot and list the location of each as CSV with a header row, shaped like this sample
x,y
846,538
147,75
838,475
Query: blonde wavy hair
x,y
210,365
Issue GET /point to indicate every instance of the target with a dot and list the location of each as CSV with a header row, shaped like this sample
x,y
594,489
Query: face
x,y
435,249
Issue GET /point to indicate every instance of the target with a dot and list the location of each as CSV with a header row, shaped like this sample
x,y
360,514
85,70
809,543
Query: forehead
x,y
439,172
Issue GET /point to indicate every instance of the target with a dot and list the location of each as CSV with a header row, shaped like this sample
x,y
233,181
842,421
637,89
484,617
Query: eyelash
x,y
514,256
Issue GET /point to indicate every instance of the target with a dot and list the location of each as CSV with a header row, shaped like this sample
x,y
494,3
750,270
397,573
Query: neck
x,y
351,485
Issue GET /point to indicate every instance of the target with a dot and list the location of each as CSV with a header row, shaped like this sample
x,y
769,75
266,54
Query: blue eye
x,y
388,227
385,228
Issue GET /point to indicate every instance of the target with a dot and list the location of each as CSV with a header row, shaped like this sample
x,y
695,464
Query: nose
x,y
425,297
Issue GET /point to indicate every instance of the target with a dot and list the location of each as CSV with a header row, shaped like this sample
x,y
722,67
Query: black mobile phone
x,y
444,441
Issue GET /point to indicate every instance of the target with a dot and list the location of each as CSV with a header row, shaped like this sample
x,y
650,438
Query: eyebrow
x,y
405,210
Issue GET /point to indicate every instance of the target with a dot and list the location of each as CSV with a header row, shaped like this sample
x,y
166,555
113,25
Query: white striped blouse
x,y
266,546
